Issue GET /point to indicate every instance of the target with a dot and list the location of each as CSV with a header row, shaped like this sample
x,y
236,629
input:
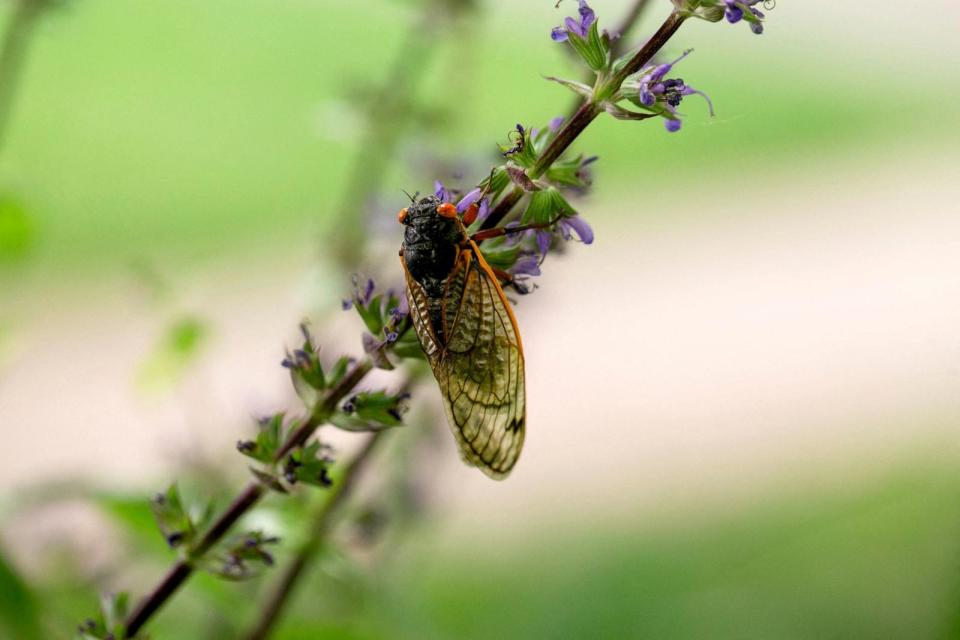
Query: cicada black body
x,y
468,333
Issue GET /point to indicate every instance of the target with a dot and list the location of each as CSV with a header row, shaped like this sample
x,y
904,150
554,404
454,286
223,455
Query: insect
x,y
467,330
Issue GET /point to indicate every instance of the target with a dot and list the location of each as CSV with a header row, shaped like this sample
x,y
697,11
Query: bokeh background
x,y
744,397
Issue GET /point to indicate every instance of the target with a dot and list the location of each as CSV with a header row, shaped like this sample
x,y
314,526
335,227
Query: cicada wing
x,y
419,304
481,368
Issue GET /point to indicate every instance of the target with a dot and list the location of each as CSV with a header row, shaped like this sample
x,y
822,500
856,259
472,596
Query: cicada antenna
x,y
413,198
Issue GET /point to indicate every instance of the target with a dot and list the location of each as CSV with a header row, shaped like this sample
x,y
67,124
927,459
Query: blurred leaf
x,y
17,231
180,346
18,612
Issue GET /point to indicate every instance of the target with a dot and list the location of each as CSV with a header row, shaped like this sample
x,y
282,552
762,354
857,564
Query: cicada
x,y
468,332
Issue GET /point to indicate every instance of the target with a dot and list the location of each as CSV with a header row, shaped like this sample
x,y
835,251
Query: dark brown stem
x,y
319,528
650,49
584,115
13,55
251,494
637,9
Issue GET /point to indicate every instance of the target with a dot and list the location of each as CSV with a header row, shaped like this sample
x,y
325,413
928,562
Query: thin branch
x,y
251,494
626,26
388,114
320,526
573,127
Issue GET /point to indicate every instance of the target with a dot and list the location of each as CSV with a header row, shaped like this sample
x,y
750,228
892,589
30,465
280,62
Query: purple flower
x,y
577,225
527,265
733,13
544,239
579,28
441,192
468,200
484,210
653,88
556,123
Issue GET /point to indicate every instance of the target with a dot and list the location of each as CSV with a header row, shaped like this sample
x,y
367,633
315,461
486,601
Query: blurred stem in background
x,y
389,112
320,524
13,55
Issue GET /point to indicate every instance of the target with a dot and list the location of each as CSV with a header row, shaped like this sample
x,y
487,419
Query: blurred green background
x,y
761,344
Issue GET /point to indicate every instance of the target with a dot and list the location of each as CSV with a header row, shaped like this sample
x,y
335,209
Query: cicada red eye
x,y
447,210
402,216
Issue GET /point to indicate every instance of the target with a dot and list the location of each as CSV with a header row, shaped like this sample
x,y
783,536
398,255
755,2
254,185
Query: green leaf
x,y
370,411
172,518
181,344
545,206
18,611
591,49
408,346
577,87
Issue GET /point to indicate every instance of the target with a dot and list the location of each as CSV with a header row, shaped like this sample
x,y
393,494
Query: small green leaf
x,y
370,411
181,344
577,87
172,519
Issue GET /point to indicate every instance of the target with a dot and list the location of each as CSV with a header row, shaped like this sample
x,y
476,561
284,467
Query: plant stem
x,y
319,528
388,113
182,570
250,495
13,55
616,46
587,112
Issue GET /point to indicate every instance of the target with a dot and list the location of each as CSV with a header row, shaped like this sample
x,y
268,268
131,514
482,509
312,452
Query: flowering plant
x,y
526,198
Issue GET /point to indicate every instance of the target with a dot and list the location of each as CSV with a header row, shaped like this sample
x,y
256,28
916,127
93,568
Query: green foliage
x,y
309,464
594,49
241,557
18,611
172,518
371,411
109,621
270,437
180,345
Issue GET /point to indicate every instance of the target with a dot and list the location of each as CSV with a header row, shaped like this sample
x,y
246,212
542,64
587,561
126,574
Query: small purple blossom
x,y
580,28
368,291
443,195
654,88
556,123
469,199
733,13
578,226
484,210
527,265
544,239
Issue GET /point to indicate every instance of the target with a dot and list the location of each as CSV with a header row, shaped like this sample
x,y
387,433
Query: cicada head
x,y
431,235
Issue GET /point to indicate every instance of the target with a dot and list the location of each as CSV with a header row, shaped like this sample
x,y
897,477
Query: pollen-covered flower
x,y
659,93
579,27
